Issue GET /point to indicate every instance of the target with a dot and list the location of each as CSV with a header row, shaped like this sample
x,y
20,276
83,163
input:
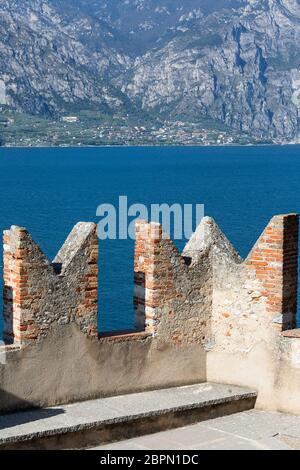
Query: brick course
x,y
275,262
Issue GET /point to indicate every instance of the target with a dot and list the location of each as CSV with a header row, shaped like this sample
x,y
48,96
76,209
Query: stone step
x,y
105,420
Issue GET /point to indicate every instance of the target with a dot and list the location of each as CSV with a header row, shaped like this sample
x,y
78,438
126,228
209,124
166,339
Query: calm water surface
x,y
49,190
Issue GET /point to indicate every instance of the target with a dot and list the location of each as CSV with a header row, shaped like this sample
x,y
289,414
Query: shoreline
x,y
147,146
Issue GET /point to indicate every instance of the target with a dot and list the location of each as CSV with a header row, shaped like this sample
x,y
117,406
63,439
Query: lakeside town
x,y
87,129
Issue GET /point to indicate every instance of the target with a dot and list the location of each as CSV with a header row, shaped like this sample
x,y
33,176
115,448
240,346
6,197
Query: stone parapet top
x,y
9,347
291,333
119,337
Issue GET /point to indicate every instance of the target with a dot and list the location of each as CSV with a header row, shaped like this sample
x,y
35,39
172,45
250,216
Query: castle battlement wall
x,y
38,293
203,314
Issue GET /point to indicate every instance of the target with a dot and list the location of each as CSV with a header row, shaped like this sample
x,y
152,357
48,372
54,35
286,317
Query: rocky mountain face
x,y
145,24
232,61
46,67
240,67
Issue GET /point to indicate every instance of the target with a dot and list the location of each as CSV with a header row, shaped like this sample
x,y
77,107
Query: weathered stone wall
x,y
257,297
173,293
254,301
38,293
202,315
51,315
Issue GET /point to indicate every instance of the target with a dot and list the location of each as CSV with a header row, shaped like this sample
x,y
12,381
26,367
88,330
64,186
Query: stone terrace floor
x,y
249,430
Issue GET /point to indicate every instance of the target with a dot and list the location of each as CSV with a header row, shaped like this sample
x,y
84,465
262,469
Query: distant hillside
x,y
240,67
235,62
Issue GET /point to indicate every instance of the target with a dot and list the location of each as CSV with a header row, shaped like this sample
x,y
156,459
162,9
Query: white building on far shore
x,y
70,119
2,92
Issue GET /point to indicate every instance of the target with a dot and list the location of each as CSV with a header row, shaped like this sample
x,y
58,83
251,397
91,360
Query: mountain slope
x,y
234,62
143,24
241,68
47,69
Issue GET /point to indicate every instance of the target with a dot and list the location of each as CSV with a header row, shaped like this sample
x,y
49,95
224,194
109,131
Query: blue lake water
x,y
49,190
